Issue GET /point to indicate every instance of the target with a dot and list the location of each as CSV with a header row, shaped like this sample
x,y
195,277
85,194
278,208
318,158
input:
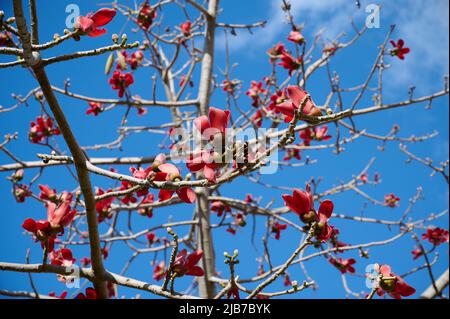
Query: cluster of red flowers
x,y
302,203
146,15
256,89
287,60
436,236
133,61
41,129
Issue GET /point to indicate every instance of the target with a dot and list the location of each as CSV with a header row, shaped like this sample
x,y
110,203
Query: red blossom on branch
x,y
344,265
289,62
219,207
302,203
276,229
95,108
187,264
392,284
436,236
88,25
296,96
121,81
186,28
398,49
169,172
391,200
146,15
42,128
296,37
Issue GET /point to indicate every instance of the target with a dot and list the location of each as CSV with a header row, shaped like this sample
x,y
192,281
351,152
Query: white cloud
x,y
423,24
337,13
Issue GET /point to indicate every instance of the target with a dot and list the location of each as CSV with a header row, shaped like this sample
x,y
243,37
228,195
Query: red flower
x,y
159,272
63,295
103,207
343,265
169,172
146,15
61,216
90,294
220,207
62,257
296,96
436,236
417,252
394,285
257,118
277,228
187,265
239,220
42,128
203,162
249,198
276,52
256,88
21,192
147,211
296,37
151,238
6,39
121,81
45,230
186,28
391,200
229,86
90,23
287,281
302,204
128,198
364,178
399,49
47,193
275,99
292,153
136,59
95,108
215,122
289,62
320,133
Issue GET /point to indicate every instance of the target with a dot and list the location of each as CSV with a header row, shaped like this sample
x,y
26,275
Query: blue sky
x,y
423,25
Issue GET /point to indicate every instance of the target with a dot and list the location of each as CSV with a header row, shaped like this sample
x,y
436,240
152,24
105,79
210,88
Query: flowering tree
x,y
210,148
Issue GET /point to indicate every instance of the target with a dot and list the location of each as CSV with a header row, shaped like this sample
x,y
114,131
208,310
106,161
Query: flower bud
x,y
115,38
